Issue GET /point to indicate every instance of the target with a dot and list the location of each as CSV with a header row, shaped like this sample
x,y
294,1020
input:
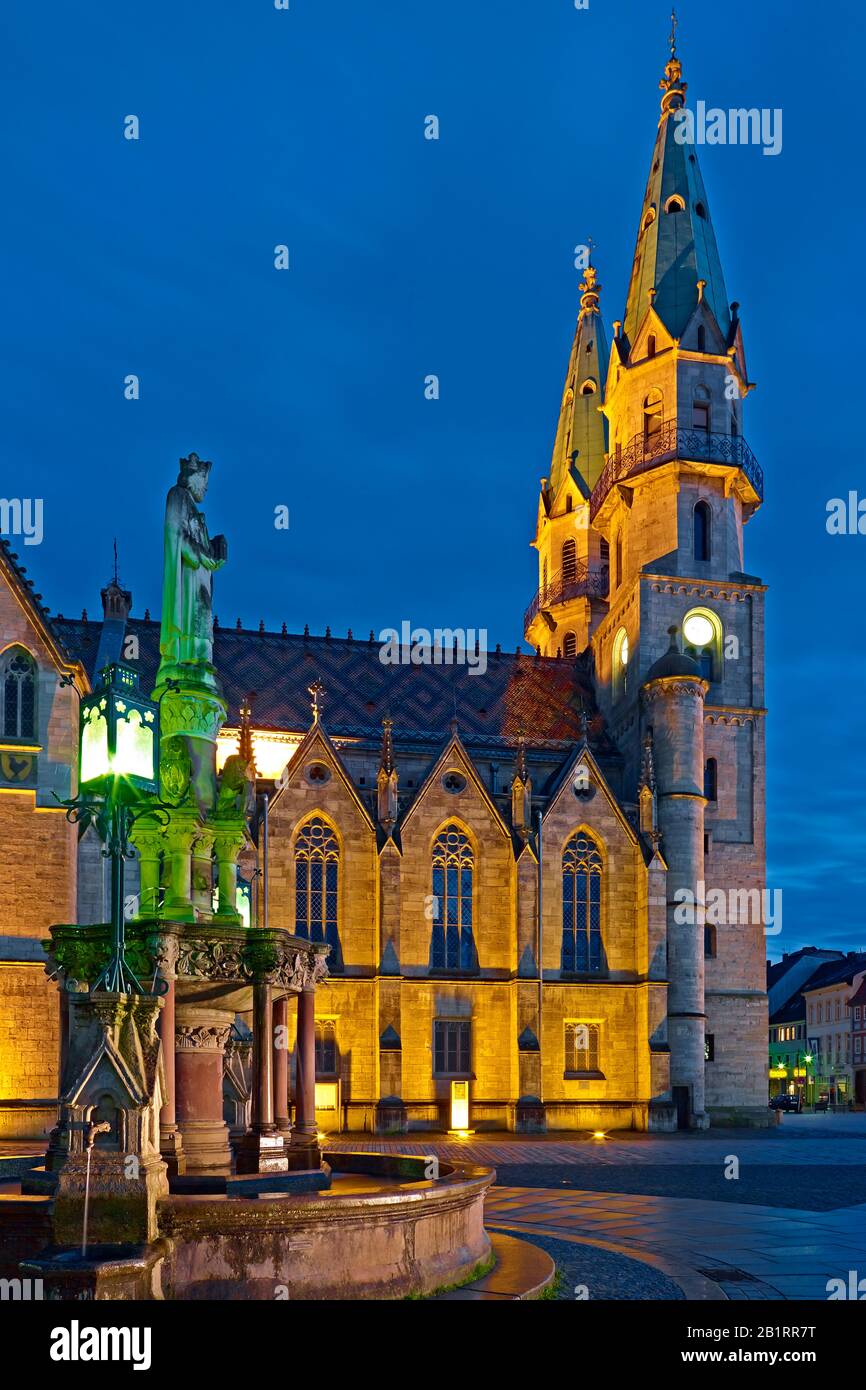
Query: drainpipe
x,y
265,860
540,961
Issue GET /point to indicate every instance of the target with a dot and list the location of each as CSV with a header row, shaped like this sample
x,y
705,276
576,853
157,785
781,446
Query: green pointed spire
x,y
676,245
581,435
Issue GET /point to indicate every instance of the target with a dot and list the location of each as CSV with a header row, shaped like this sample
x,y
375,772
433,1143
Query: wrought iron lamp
x,y
118,772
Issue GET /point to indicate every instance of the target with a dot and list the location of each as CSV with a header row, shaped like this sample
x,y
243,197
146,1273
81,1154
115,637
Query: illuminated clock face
x,y
698,630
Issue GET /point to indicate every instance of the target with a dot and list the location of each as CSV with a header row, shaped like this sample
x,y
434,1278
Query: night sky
x,y
410,257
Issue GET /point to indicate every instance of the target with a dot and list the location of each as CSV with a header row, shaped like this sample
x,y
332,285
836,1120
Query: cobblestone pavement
x,y
664,1199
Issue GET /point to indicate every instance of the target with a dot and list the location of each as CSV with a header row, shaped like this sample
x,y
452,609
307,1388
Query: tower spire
x,y
581,434
676,244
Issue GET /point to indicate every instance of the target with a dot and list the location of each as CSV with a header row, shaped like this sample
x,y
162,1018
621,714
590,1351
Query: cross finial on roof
x,y
316,691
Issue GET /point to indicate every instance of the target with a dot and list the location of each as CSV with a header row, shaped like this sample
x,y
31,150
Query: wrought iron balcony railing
x,y
670,442
579,582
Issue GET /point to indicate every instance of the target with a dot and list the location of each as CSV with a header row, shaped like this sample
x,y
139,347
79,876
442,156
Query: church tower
x,y
640,545
572,558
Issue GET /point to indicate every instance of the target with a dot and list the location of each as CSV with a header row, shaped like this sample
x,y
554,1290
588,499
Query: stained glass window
x,y
317,868
452,945
581,1047
581,905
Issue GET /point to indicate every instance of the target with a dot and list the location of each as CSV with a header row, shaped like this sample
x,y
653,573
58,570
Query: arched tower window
x,y
675,203
452,946
619,671
569,646
703,520
701,410
588,387
651,345
701,211
702,633
569,562
18,694
652,416
326,1047
581,905
711,779
702,338
317,871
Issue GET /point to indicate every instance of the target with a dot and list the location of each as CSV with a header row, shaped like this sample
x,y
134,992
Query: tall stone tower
x,y
650,487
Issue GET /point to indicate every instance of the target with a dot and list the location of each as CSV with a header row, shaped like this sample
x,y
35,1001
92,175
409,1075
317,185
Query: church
x,y
509,860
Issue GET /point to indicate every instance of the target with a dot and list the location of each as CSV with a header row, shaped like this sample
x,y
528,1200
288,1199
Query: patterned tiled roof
x,y
542,695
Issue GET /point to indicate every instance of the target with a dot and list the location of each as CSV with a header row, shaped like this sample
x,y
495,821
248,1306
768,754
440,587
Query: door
x,y
681,1101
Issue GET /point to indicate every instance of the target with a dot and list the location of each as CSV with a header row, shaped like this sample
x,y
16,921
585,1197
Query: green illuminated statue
x,y
186,637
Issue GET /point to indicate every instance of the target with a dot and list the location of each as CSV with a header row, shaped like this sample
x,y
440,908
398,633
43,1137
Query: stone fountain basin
x,y
383,1230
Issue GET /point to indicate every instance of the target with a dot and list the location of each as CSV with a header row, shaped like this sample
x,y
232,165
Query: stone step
x,y
522,1271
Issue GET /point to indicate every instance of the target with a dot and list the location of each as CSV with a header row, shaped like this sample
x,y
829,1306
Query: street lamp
x,y
118,768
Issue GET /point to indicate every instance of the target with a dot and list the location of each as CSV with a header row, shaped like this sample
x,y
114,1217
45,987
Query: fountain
x,y
142,1195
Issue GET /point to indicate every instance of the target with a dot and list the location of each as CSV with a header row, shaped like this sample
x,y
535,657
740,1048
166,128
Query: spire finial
x,y
521,754
316,691
116,580
590,289
672,83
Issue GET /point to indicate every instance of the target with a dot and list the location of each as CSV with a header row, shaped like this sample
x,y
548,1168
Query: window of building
x,y
701,410
452,945
617,560
569,561
326,1047
857,1012
838,1010
711,779
735,428
651,345
858,1044
582,1052
619,670
317,869
18,694
581,905
675,203
709,942
702,523
702,631
452,1047
649,218
701,211
652,416
569,646
709,1047
588,388
702,338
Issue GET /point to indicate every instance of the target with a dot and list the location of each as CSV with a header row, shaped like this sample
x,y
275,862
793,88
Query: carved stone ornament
x,y
210,1037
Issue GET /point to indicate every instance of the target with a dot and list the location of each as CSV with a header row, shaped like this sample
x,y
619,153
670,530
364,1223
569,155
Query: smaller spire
x,y
316,691
521,754
647,764
245,737
387,746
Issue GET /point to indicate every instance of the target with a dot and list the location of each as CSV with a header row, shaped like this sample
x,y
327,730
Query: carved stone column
x,y
281,1065
262,1148
202,871
149,842
304,1139
170,1139
228,843
179,838
200,1038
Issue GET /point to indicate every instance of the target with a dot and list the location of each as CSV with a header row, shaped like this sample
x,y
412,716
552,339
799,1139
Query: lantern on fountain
x,y
119,731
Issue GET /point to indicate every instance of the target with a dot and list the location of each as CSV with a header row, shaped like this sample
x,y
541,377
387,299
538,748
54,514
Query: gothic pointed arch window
x,y
703,521
452,945
652,416
317,883
619,664
581,906
18,694
569,561
675,203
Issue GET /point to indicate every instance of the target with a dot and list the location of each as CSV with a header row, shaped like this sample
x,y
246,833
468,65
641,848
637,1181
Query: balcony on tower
x,y
666,442
576,580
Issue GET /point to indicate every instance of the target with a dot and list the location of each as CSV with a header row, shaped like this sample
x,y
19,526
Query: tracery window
x,y
581,905
582,1047
18,694
317,871
452,946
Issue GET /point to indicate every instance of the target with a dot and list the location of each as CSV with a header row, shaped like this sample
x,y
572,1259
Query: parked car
x,y
784,1102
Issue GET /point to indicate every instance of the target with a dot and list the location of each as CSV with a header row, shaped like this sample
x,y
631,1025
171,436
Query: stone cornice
x,y
707,588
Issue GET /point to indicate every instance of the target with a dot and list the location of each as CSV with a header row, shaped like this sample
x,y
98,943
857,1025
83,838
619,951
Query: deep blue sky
x,y
412,257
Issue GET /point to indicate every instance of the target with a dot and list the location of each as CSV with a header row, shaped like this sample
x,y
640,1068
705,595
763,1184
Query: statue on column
x,y
191,556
